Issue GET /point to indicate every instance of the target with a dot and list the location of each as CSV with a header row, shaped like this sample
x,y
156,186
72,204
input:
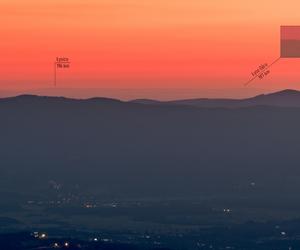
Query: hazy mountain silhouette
x,y
285,98
124,148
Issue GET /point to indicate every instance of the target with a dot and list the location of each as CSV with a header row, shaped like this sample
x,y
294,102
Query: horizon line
x,y
149,99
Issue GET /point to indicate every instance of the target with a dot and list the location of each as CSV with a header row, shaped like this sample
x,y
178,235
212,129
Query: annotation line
x,y
268,67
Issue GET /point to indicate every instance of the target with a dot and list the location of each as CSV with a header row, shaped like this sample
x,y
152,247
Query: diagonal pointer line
x,y
252,79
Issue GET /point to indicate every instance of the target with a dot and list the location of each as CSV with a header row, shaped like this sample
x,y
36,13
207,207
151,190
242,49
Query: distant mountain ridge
x,y
284,98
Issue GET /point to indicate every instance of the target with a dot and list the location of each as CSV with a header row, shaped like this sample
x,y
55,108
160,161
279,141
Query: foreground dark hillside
x,y
129,149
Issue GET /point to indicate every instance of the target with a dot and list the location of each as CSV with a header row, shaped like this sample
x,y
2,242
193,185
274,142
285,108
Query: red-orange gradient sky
x,y
143,44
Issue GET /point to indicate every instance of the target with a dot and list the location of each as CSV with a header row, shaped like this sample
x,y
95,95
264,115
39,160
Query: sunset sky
x,y
146,44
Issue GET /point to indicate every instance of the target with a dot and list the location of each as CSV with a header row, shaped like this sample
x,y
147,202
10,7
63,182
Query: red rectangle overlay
x,y
290,42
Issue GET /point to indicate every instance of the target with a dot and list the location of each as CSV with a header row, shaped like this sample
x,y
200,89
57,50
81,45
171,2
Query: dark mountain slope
x,y
285,98
119,148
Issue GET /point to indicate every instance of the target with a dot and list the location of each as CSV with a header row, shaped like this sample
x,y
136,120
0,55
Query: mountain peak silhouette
x,y
283,98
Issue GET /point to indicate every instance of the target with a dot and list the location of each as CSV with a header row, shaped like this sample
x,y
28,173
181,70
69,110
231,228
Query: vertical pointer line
x,y
61,64
54,74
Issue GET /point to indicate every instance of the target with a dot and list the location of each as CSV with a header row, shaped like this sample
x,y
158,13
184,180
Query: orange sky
x,y
191,44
